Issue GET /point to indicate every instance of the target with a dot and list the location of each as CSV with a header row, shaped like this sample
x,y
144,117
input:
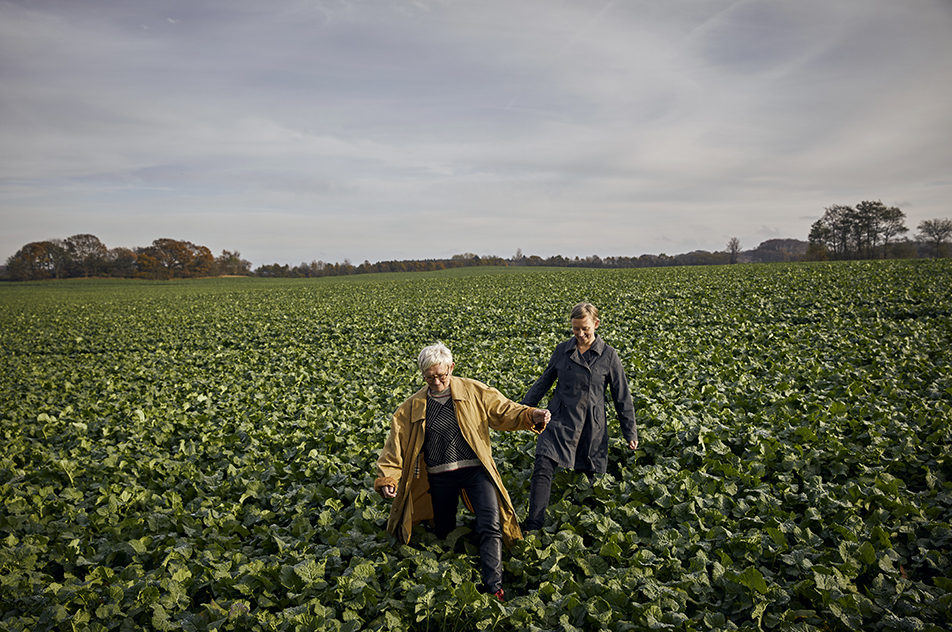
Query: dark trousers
x,y
541,490
445,491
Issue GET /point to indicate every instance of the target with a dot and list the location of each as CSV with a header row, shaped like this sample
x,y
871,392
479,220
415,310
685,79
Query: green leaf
x,y
612,550
310,571
753,579
867,554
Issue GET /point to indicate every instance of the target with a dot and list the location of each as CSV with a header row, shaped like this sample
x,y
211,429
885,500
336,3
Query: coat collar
x,y
462,389
598,346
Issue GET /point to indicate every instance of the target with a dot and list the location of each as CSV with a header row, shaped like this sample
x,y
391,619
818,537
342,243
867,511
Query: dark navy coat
x,y
577,436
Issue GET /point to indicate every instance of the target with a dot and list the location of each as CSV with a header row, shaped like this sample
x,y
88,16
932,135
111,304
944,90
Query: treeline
x,y
770,251
872,230
322,269
696,258
86,256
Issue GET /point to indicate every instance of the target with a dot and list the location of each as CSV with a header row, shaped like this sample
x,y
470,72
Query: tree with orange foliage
x,y
38,260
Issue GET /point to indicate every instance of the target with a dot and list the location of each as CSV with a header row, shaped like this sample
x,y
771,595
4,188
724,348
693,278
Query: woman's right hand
x,y
388,491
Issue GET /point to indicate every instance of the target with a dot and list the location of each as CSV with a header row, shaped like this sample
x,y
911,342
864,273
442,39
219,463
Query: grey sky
x,y
300,130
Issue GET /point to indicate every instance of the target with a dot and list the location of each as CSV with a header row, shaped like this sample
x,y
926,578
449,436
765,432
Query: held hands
x,y
388,491
540,419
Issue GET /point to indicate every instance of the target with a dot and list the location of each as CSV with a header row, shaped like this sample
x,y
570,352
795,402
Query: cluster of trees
x,y
86,256
872,230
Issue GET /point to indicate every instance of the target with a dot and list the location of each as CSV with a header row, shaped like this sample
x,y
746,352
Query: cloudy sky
x,y
300,130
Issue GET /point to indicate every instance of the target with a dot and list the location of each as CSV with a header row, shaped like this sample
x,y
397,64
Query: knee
x,y
544,468
491,528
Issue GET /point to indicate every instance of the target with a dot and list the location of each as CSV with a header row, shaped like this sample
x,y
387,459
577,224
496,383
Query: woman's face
x,y
437,377
584,330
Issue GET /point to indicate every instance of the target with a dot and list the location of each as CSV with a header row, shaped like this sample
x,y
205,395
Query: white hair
x,y
435,354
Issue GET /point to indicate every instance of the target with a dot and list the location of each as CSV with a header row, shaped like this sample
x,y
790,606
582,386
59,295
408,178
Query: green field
x,y
199,455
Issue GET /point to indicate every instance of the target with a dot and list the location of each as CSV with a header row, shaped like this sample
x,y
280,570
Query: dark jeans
x,y
445,492
541,489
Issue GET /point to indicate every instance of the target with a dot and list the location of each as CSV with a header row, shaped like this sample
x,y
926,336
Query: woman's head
x,y
436,365
584,323
437,353
584,309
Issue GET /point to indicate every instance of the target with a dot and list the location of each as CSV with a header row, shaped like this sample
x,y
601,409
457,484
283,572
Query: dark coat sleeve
x,y
542,385
621,396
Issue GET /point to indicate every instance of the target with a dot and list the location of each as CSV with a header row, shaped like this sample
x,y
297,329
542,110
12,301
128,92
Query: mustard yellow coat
x,y
478,408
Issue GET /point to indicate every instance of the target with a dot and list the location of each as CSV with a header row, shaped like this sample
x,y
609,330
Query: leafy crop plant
x,y
199,455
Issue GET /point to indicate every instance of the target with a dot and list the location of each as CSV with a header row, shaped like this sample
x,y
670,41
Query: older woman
x,y
439,448
584,367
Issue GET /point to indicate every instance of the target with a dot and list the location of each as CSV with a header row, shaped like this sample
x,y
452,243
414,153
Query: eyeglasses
x,y
433,378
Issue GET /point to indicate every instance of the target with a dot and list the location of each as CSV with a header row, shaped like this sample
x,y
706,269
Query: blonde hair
x,y
437,353
583,310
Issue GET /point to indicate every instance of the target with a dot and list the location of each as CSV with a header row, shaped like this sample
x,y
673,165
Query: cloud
x,y
380,130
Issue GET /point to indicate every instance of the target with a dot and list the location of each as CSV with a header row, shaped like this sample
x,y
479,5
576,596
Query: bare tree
x,y
843,221
231,263
733,249
892,223
867,227
935,232
87,254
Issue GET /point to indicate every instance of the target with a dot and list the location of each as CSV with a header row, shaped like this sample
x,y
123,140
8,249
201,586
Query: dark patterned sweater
x,y
444,448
